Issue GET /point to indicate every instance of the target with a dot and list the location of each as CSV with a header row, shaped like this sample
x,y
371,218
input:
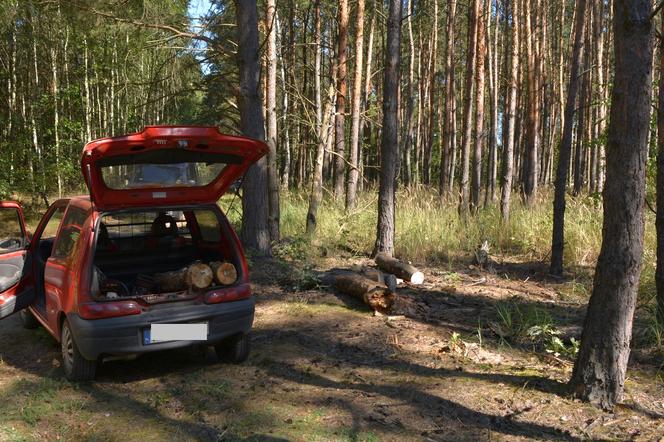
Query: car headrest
x,y
164,225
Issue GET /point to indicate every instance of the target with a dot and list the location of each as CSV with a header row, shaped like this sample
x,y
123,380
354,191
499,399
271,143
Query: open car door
x,y
166,165
16,288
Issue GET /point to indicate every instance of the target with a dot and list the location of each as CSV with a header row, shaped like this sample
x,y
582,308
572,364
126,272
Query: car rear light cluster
x,y
242,291
99,310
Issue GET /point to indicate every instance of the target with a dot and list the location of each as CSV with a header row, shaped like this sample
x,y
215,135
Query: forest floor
x,y
447,365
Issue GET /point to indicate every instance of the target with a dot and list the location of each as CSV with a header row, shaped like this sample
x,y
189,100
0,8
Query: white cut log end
x,y
417,278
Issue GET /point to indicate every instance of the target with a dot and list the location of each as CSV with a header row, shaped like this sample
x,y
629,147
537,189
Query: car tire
x,y
28,320
76,367
234,350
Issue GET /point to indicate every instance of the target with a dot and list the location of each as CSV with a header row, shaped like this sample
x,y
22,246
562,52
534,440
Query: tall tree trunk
x,y
367,95
659,222
530,167
558,241
86,84
510,115
342,91
408,139
473,12
356,108
56,120
476,177
271,114
492,163
449,131
255,232
324,138
579,153
600,368
389,152
431,96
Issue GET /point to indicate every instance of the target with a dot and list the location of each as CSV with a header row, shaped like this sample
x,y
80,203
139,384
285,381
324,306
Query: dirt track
x,y
324,368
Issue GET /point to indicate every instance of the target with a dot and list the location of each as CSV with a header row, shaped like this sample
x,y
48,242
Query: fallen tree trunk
x,y
224,273
402,270
197,276
374,294
388,279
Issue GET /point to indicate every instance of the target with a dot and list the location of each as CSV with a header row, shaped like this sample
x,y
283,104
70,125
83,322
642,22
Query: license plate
x,y
175,332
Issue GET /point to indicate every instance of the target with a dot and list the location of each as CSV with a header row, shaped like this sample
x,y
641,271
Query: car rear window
x,y
208,224
140,224
151,175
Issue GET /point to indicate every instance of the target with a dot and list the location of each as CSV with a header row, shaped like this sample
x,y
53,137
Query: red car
x,y
111,274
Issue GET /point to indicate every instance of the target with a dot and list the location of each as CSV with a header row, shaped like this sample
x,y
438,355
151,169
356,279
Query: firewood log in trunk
x,y
197,276
224,273
402,270
376,295
376,275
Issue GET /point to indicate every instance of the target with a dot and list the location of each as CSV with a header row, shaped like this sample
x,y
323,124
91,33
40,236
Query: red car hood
x,y
166,165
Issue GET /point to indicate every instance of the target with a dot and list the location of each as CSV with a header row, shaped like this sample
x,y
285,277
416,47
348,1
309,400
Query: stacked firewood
x,y
377,287
197,276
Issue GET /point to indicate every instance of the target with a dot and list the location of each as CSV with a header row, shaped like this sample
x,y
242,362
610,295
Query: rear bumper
x,y
124,335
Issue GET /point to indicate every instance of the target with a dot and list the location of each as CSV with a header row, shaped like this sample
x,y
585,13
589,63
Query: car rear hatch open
x,y
166,165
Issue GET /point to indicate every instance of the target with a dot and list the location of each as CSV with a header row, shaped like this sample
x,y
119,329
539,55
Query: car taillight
x,y
99,310
229,294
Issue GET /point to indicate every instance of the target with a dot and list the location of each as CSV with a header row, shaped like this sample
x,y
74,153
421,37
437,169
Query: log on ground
x,y
376,275
374,294
398,268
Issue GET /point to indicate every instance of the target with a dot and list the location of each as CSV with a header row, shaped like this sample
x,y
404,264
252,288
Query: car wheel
x,y
235,349
28,320
76,367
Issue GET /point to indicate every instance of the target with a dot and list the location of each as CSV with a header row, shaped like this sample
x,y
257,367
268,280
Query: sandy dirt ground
x,y
324,367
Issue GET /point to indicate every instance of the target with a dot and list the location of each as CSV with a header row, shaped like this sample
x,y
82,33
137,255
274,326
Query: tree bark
x,y
510,117
342,91
389,151
530,163
558,241
659,221
476,177
255,232
449,131
473,12
408,139
600,368
271,114
356,108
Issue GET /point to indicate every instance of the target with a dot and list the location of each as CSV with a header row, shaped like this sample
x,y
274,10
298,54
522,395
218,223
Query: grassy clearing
x,y
430,230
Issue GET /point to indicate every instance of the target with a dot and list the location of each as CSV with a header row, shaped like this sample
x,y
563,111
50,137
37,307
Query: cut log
x,y
197,276
224,273
376,275
374,294
400,269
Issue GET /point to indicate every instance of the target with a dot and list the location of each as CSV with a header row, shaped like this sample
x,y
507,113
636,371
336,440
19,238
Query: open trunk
x,y
139,254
